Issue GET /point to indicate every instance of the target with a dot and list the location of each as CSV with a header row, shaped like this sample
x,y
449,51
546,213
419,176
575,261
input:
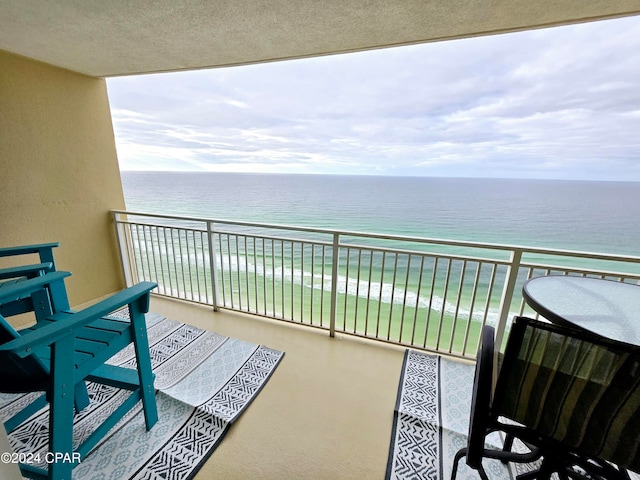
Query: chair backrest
x,y
572,389
482,385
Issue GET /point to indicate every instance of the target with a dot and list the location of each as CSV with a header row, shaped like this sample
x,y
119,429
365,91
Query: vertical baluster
x,y
322,280
487,306
507,293
180,233
454,323
146,229
190,234
169,256
230,269
393,295
384,262
246,271
404,298
474,293
172,233
444,303
139,256
418,296
429,307
237,242
281,279
346,290
197,266
366,315
293,281
213,265
147,275
162,258
273,276
255,272
131,254
155,245
205,265
334,283
302,282
523,304
223,281
264,275
313,273
355,315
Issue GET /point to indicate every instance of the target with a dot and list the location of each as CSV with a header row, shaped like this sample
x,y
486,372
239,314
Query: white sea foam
x,y
375,291
384,293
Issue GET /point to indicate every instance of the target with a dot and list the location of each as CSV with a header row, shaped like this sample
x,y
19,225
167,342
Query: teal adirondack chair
x,y
58,354
44,302
39,302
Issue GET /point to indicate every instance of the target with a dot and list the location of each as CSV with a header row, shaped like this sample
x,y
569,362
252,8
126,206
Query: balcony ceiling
x,y
122,37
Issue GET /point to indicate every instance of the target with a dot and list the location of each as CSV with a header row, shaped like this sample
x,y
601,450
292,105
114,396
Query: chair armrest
x,y
56,330
28,271
26,249
18,290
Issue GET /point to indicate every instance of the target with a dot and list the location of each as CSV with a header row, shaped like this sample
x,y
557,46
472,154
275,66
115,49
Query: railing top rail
x,y
400,238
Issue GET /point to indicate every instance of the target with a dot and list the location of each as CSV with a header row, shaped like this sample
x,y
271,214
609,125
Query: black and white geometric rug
x,y
204,381
431,421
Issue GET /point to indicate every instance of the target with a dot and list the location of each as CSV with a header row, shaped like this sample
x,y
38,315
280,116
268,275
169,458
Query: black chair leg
x,y
508,445
482,473
454,471
456,460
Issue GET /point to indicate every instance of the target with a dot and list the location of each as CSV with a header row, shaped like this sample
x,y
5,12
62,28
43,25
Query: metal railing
x,y
424,293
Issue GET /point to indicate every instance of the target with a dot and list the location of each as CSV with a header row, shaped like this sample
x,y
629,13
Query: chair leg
x,y
454,470
145,374
81,396
456,460
39,403
482,473
508,444
61,411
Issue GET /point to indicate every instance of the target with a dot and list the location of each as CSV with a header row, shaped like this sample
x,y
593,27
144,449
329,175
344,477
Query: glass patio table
x,y
607,308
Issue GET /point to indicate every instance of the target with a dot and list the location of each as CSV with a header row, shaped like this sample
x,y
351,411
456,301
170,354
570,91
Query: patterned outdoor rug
x,y
431,421
204,381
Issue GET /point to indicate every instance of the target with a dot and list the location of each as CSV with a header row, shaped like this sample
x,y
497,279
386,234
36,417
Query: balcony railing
x,y
424,293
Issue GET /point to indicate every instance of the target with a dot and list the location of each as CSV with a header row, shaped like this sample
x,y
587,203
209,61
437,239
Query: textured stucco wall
x,y
59,174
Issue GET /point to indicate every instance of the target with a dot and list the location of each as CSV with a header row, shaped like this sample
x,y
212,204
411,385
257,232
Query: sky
x,y
556,103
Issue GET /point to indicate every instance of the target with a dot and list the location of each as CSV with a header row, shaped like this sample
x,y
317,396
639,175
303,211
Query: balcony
x,y
62,171
343,306
343,320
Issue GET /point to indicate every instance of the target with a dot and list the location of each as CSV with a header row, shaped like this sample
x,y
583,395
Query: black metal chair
x,y
481,422
572,397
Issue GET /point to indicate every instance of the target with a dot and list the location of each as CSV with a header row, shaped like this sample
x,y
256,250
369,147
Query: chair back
x,y
481,395
573,390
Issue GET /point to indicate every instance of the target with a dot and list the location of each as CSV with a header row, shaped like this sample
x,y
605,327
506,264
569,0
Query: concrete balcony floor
x,y
326,413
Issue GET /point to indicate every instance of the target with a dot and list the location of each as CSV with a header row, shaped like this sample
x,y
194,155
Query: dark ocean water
x,y
577,215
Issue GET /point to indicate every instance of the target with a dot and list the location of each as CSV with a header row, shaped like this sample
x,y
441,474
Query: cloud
x,y
553,103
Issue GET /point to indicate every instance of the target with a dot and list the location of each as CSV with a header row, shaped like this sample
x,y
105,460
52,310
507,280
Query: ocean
x,y
602,217
378,295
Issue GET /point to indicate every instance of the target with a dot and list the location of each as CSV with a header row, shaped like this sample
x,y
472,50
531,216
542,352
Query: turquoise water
x,y
577,215
589,216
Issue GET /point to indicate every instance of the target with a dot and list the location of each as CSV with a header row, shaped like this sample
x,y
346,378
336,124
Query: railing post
x,y
334,284
213,265
507,294
123,248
